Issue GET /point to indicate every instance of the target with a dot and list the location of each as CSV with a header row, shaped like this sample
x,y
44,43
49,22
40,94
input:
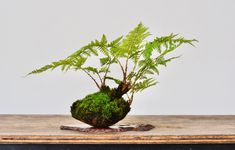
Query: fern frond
x,y
104,40
93,48
42,69
162,61
114,79
91,69
161,45
140,86
116,42
104,60
133,41
66,63
169,43
149,47
103,69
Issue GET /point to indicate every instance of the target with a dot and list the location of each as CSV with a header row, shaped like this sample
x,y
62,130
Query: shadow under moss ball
x,y
99,111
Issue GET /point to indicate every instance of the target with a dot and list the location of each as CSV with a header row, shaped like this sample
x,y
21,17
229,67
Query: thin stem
x,y
132,88
132,93
131,99
92,78
105,75
123,72
99,77
132,96
136,62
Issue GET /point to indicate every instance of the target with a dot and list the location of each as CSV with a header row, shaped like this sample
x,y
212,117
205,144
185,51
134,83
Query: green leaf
x,y
131,75
104,50
104,61
93,51
115,42
169,59
149,47
150,72
114,79
79,62
160,61
103,39
154,69
91,69
42,69
133,40
140,86
103,69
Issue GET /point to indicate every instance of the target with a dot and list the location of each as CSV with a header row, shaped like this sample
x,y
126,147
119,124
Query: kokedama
x,y
139,62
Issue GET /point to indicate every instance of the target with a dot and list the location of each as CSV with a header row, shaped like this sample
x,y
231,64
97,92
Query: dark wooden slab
x,y
45,129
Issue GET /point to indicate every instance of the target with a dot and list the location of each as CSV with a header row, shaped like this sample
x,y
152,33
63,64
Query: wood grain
x,y
45,129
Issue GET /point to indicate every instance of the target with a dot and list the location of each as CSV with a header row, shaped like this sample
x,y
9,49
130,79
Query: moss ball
x,y
98,110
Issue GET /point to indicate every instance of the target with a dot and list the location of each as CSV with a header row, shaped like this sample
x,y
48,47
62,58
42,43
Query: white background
x,y
36,32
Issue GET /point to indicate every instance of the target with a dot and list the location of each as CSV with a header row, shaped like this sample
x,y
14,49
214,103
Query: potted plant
x,y
138,61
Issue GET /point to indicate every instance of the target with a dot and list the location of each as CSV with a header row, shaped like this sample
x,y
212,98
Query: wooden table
x,y
180,130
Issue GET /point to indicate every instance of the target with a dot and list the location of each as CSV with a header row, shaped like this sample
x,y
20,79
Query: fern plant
x,y
134,49
137,58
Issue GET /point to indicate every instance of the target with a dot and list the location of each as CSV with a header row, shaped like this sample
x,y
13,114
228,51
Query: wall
x,y
34,33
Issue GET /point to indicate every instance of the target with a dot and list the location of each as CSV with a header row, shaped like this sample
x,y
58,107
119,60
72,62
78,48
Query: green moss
x,y
98,110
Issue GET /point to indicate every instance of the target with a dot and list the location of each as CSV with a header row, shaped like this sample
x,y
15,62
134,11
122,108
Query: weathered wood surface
x,y
44,129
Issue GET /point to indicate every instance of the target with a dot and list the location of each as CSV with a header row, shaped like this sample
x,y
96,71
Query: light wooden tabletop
x,y
43,129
